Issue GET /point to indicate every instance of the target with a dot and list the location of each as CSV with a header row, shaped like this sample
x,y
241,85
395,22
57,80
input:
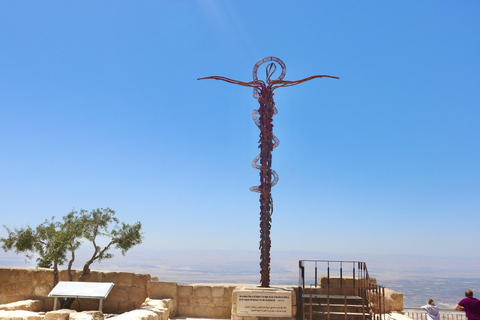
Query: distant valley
x,y
419,278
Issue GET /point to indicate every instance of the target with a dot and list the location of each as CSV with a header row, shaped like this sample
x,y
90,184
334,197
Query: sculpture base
x,y
251,303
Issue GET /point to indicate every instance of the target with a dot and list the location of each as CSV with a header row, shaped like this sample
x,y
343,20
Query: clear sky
x,y
101,107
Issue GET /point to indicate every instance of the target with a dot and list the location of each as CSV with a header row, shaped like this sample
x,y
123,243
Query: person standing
x,y
432,310
470,305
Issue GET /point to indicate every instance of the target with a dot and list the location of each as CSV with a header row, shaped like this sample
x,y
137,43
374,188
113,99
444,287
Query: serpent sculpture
x,y
263,117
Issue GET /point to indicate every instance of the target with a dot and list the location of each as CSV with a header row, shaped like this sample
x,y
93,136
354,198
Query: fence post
x,y
302,273
353,277
341,276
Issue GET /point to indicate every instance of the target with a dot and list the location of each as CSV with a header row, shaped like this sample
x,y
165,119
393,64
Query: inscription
x,y
266,304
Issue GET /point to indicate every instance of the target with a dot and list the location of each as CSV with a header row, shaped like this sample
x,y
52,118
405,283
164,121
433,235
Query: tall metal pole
x,y
263,117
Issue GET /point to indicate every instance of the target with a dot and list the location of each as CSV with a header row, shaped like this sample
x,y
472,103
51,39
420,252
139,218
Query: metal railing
x,y
344,278
420,314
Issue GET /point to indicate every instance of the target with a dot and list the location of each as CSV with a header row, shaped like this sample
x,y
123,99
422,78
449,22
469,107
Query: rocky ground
x,y
151,309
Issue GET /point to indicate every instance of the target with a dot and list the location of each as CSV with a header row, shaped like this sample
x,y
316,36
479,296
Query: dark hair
x,y
430,302
469,293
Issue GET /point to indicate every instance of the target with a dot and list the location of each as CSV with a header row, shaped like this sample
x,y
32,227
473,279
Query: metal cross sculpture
x,y
263,117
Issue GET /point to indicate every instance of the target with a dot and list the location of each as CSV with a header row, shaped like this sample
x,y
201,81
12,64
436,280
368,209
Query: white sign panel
x,y
266,304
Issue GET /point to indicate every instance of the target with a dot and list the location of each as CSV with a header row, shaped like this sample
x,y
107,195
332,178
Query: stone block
x,y
229,294
163,307
80,316
202,296
140,280
221,313
185,294
155,303
170,304
118,294
185,291
183,301
43,276
244,318
63,276
17,298
186,311
137,295
220,301
96,315
9,289
161,290
163,316
110,306
125,306
20,315
87,304
202,301
393,300
48,303
161,313
5,274
87,315
218,291
202,311
136,315
111,276
62,314
16,275
29,275
42,290
25,288
125,279
25,305
202,291
96,276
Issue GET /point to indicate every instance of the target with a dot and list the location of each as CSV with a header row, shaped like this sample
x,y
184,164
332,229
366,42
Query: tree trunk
x,y
55,274
67,303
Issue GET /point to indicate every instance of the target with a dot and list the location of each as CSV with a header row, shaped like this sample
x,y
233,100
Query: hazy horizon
x,y
244,265
418,277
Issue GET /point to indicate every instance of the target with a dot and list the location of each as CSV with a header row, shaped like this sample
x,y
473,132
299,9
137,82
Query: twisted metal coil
x,y
263,92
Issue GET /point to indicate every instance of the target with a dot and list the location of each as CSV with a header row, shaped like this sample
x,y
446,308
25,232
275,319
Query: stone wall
x,y
129,292
195,300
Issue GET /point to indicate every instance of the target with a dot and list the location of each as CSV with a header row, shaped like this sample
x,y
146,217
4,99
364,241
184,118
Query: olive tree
x,y
55,242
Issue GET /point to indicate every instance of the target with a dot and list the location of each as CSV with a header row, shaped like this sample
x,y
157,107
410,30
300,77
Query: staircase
x,y
333,307
338,294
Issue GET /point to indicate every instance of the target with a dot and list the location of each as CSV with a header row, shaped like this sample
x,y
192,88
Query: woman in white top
x,y
432,310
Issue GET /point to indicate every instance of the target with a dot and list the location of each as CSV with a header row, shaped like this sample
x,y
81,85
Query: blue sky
x,y
100,107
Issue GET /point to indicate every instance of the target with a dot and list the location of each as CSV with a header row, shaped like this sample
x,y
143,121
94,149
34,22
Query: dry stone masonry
x,y
24,291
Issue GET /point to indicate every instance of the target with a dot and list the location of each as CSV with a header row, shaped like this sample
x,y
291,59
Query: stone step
x,y
319,315
331,299
333,307
332,296
336,307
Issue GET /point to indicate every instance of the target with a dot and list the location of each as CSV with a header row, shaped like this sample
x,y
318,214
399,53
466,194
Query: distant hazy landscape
x,y
443,279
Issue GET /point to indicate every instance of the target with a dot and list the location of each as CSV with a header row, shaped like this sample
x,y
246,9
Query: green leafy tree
x,y
51,241
56,242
